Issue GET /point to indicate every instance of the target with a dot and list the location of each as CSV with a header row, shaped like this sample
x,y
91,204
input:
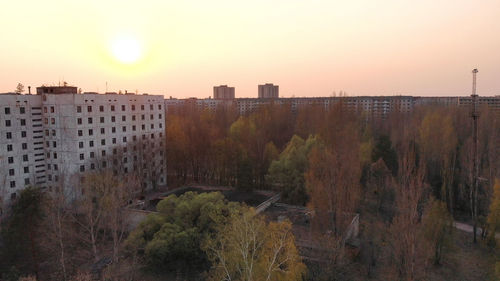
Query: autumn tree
x,y
406,243
19,88
250,249
493,219
437,224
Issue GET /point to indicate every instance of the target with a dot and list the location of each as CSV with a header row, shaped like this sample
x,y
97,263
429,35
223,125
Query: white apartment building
x,y
65,134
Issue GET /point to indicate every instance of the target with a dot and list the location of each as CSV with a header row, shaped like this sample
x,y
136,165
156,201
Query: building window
x,y
82,168
101,120
80,133
123,107
113,129
103,131
133,127
7,123
91,132
133,117
152,126
10,160
160,125
142,106
112,108
142,117
24,146
80,144
150,107
23,122
124,139
11,172
55,155
90,120
91,143
89,108
53,133
79,121
52,121
104,164
23,134
78,109
143,127
103,153
133,107
56,167
7,110
92,166
101,108
114,140
82,157
26,181
92,154
151,117
9,147
159,116
113,119
25,158
12,185
52,110
103,142
124,128
22,110
54,144
124,118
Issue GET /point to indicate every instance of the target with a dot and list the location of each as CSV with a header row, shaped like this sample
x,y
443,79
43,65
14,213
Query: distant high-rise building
x,y
268,91
223,92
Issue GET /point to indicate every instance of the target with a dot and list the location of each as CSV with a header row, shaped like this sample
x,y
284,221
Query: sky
x,y
307,47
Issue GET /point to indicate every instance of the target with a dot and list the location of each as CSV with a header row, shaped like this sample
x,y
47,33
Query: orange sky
x,y
309,48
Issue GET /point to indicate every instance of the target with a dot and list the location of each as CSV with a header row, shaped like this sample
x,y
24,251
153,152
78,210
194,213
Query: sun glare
x,y
126,49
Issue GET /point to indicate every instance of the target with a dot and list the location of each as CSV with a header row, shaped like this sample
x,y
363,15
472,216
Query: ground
x,y
468,262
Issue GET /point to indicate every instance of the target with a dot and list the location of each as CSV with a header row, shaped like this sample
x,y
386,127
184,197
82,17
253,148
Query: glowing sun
x,y
126,49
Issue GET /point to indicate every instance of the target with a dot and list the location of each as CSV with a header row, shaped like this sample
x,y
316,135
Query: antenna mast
x,y
475,164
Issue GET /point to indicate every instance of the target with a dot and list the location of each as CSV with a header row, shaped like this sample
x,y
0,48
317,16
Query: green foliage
x,y
287,173
438,229
172,237
20,233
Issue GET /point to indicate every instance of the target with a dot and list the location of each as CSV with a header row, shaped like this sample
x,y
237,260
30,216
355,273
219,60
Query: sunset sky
x,y
309,48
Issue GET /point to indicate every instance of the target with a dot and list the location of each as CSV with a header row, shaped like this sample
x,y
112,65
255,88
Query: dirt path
x,y
468,228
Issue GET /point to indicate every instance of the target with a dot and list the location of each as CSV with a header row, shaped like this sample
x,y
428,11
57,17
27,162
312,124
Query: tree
x,y
406,242
383,150
287,173
438,229
250,249
20,236
19,88
171,239
493,219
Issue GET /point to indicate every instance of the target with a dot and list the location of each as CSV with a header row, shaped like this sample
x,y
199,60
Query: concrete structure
x,y
268,91
223,92
59,133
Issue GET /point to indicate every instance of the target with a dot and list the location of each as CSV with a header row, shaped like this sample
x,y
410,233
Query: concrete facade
x,y
223,92
268,91
67,134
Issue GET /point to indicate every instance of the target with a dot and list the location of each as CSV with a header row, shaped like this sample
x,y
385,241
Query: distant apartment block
x,y
49,139
223,92
268,91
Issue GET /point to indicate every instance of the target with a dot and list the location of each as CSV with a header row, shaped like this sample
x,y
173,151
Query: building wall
x,y
223,92
268,91
69,134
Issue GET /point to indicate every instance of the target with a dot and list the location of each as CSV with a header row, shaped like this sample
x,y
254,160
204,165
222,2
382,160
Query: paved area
x,y
468,228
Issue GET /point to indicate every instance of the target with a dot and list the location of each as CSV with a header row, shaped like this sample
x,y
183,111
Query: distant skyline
x,y
309,48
